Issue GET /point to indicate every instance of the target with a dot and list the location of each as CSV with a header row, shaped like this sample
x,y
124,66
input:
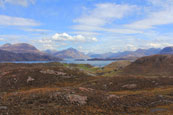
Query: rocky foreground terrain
x,y
68,89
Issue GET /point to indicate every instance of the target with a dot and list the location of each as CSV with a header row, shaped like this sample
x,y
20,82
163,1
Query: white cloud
x,y
1,3
17,2
17,21
102,15
63,39
122,31
156,18
130,47
35,30
163,3
159,45
1,39
164,15
111,30
67,37
45,41
11,36
86,33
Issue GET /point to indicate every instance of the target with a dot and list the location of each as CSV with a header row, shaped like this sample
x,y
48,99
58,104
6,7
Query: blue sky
x,y
88,25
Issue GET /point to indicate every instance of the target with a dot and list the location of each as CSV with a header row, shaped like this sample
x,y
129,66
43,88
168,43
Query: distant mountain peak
x,y
71,53
138,53
6,45
72,49
167,50
25,45
20,48
23,52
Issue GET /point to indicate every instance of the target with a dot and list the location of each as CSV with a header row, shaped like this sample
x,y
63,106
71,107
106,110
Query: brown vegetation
x,y
63,89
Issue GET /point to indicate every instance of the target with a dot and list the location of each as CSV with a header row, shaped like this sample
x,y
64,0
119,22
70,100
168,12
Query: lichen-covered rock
x,y
83,89
30,79
3,107
129,86
113,96
48,71
52,72
73,98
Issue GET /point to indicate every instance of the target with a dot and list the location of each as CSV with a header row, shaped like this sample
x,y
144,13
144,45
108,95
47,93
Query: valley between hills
x,y
142,87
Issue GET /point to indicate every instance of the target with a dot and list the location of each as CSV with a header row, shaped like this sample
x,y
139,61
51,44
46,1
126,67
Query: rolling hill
x,y
157,65
20,48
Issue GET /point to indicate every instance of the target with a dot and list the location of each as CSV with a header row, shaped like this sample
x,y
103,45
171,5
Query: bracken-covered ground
x,y
54,88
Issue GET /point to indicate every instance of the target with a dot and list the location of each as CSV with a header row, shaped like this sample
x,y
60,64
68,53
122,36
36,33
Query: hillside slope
x,y
11,56
167,50
20,48
54,88
157,65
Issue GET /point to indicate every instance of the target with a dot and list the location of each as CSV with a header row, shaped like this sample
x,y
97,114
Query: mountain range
x,y
127,54
27,52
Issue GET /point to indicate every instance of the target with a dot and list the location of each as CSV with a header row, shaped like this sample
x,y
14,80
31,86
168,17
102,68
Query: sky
x,y
96,26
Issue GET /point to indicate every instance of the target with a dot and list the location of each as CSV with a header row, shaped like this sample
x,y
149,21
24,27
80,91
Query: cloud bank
x,y
17,21
67,37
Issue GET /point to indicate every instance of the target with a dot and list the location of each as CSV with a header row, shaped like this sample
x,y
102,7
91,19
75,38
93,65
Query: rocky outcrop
x,y
77,99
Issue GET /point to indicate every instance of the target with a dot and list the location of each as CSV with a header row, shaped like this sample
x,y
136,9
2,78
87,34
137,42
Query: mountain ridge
x,y
167,50
20,48
71,53
137,53
11,56
23,52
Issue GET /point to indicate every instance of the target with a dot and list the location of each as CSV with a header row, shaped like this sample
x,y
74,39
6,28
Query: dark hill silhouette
x,y
167,50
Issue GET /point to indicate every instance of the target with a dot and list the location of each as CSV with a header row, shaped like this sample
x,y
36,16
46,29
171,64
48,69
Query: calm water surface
x,y
69,61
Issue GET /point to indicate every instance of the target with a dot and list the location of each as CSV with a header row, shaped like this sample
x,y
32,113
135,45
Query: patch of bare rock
x,y
52,72
129,86
77,99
